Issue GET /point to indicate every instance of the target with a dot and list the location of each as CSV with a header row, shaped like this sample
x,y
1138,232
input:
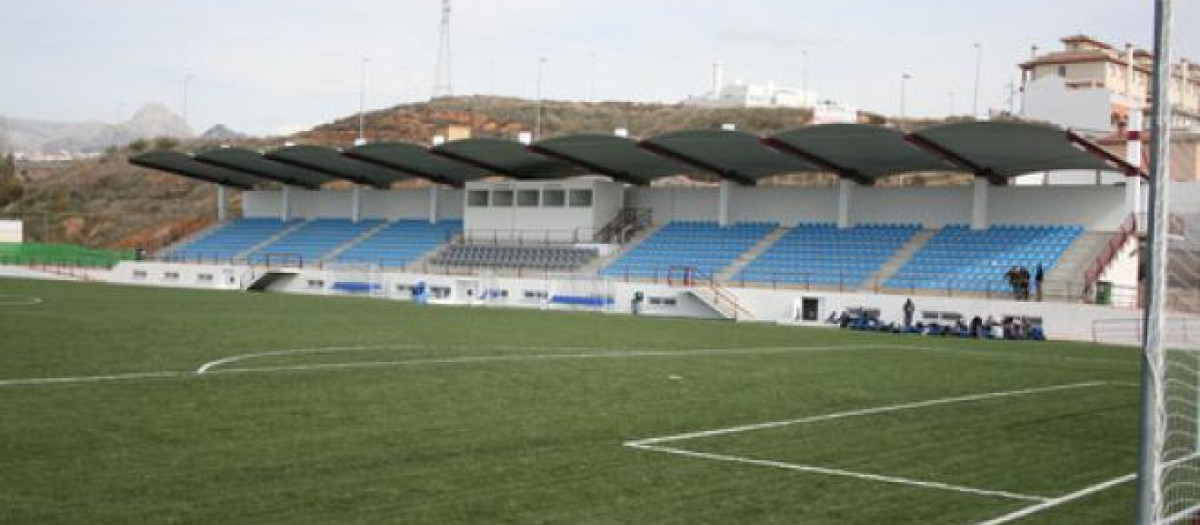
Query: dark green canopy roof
x,y
417,161
331,162
861,152
616,157
252,162
1003,150
729,154
505,157
183,164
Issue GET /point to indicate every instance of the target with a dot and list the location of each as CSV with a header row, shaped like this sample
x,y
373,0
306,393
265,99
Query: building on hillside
x,y
1091,86
741,94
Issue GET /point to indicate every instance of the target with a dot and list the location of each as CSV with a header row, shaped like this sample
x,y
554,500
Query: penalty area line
x,y
896,480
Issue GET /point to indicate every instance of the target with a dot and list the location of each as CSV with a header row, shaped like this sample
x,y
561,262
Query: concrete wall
x,y
1066,321
1094,207
12,231
376,204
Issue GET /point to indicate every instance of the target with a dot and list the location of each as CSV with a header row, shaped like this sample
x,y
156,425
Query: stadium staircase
x,y
599,263
701,247
333,254
721,300
401,243
261,282
821,254
1068,274
246,253
313,240
752,254
893,265
194,237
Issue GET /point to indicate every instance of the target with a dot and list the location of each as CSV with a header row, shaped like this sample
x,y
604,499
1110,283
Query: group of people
x,y
1019,278
1012,328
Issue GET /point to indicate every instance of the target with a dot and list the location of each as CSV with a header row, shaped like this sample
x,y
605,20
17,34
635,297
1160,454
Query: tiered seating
x,y
402,242
312,241
822,254
231,239
958,258
705,246
546,257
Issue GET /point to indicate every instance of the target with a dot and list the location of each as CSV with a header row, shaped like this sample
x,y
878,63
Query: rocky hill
x,y
106,202
152,120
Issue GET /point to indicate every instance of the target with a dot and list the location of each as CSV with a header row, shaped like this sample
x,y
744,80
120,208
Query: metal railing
x,y
528,237
1128,230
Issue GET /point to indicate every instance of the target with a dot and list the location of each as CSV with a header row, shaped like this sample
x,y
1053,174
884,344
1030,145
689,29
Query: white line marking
x,y
20,300
89,379
864,412
842,473
535,357
588,353
1084,492
207,368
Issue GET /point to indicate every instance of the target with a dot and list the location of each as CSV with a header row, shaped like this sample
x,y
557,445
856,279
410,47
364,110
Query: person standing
x,y
909,310
1039,276
1024,280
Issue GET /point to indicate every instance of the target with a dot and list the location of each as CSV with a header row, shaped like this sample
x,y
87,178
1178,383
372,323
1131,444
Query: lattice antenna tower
x,y
441,81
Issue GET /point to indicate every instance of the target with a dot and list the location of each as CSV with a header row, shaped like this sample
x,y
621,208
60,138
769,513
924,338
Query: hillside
x,y
106,202
39,136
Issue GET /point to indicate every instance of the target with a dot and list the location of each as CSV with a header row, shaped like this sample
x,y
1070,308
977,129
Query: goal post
x,y
580,292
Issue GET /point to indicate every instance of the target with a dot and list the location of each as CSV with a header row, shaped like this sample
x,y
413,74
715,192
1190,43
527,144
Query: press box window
x,y
477,198
554,198
528,198
581,198
171,276
502,198
204,278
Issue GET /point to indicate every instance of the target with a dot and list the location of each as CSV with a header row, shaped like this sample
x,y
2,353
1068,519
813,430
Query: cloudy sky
x,y
271,66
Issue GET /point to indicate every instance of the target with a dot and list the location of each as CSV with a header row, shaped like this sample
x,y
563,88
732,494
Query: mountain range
x,y
43,136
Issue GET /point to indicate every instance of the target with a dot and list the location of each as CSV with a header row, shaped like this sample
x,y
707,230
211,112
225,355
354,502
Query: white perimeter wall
x,y
1094,207
1063,321
376,204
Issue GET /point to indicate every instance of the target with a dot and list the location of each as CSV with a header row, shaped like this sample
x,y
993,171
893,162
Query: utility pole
x,y
362,100
804,79
187,79
537,125
592,86
978,71
904,78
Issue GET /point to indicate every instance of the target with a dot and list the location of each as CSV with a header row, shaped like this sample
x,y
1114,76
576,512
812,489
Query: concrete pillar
x,y
433,204
1133,155
285,205
845,200
222,204
356,203
723,202
979,204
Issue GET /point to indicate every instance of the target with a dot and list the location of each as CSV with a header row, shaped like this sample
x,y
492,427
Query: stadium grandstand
x,y
526,219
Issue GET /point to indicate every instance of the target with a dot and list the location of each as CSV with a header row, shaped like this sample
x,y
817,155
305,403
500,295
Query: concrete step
x,y
750,255
597,264
893,265
1077,258
254,249
333,254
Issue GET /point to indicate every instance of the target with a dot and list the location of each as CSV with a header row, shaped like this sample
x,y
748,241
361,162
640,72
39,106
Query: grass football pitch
x,y
133,405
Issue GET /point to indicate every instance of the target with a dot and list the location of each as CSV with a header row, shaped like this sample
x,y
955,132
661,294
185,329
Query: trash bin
x,y
1103,292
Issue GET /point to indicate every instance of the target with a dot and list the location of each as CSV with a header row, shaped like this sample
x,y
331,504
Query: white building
x,y
741,94
1091,87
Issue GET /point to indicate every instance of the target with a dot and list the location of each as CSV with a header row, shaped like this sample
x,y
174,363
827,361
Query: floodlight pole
x,y
1152,429
537,125
187,79
804,79
978,71
362,99
903,86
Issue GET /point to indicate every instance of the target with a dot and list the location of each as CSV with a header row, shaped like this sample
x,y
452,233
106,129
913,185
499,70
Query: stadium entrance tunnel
x,y
263,283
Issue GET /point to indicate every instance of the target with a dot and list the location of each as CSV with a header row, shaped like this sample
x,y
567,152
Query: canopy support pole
x,y
723,202
285,205
979,204
433,204
356,203
845,199
222,203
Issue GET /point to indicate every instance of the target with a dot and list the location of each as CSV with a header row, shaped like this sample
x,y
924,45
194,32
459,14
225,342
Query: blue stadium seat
x,y
824,255
958,258
231,239
401,242
704,246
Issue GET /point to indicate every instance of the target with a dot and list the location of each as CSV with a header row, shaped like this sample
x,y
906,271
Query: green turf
x,y
432,433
